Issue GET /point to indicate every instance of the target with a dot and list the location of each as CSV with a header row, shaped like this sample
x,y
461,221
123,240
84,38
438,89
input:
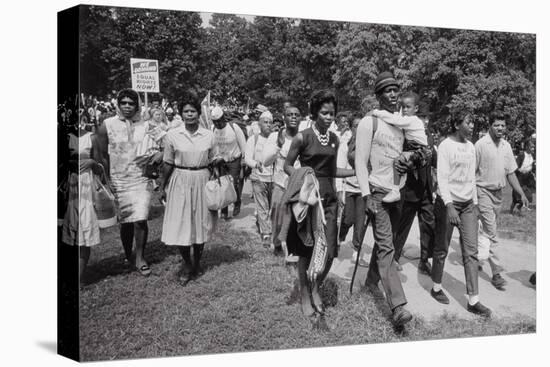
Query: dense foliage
x,y
271,60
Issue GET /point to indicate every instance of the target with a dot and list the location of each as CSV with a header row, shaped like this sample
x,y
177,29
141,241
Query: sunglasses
x,y
129,103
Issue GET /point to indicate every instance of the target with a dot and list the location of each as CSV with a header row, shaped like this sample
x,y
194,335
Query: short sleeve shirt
x,y
494,163
189,150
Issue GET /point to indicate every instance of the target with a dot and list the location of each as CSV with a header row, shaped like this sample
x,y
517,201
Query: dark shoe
x,y
533,279
401,316
498,282
198,271
236,211
440,296
185,274
320,323
424,267
479,309
278,251
185,278
374,290
266,241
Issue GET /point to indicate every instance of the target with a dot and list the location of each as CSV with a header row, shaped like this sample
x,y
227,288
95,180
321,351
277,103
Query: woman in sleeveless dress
x,y
316,147
126,145
80,225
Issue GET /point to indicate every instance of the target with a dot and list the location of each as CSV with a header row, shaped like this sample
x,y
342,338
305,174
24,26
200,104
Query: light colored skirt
x,y
187,219
80,225
132,198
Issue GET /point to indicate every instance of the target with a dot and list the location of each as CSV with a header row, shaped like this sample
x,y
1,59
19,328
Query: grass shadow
x,y
223,254
155,253
329,292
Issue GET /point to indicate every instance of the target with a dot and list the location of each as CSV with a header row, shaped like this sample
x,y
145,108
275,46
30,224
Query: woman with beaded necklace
x,y
316,147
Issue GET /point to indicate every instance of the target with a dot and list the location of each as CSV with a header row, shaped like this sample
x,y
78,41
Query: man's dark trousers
x,y
424,208
417,199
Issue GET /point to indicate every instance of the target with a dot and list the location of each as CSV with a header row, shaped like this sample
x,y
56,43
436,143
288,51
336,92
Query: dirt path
x,y
518,258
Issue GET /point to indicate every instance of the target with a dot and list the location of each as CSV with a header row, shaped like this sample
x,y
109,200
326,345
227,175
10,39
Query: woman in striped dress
x,y
125,146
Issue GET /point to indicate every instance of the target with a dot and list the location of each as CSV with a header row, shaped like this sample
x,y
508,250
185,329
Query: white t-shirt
x,y
386,145
227,141
349,184
253,155
456,171
273,154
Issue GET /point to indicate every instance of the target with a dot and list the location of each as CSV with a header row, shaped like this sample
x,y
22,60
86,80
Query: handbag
x,y
104,204
220,192
152,169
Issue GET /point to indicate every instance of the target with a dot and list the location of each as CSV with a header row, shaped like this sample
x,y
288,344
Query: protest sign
x,y
145,75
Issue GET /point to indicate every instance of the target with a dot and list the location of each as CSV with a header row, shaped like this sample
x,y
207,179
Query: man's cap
x,y
384,80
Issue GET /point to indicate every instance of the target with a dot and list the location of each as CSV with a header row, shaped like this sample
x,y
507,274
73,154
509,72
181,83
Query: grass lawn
x,y
245,301
518,227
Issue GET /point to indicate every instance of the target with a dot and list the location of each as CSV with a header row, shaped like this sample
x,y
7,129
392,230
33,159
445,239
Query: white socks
x,y
473,299
436,287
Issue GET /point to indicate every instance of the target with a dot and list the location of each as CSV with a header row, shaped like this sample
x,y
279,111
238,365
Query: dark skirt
x,y
330,206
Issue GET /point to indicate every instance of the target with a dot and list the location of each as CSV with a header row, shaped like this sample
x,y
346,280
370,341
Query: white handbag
x,y
220,192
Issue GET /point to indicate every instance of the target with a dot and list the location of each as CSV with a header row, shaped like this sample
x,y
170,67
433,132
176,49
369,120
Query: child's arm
x,y
397,120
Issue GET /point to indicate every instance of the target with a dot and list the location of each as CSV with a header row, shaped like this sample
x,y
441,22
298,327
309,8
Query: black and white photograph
x,y
233,180
233,183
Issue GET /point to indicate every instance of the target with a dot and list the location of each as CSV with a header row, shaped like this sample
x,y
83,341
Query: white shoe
x,y
392,196
291,259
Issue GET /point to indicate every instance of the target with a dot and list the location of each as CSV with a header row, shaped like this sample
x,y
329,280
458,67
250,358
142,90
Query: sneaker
x,y
392,196
424,267
401,316
440,296
479,309
498,282
236,211
291,259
